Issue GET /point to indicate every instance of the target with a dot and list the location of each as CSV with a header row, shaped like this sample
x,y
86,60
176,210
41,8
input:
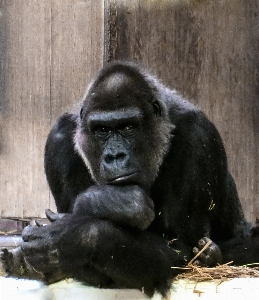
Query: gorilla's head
x,y
123,131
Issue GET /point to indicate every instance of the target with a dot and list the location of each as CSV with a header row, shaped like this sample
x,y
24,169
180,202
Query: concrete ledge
x,y
239,288
10,241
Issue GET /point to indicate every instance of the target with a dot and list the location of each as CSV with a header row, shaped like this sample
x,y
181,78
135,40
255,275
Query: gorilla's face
x,y
119,133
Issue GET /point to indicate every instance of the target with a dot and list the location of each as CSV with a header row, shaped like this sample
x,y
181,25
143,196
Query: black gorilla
x,y
139,176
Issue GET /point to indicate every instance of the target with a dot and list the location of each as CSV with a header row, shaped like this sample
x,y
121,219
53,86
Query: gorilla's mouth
x,y
128,178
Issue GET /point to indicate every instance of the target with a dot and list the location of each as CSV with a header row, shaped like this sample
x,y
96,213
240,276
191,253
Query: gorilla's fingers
x,y
40,223
202,242
4,251
53,216
207,254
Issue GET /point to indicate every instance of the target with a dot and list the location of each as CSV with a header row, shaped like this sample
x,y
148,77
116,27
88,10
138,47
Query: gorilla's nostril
x,y
120,156
109,159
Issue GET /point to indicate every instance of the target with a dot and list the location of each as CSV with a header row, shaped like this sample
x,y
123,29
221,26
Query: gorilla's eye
x,y
128,129
102,131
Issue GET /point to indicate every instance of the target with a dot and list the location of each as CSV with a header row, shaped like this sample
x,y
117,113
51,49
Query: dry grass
x,y
222,272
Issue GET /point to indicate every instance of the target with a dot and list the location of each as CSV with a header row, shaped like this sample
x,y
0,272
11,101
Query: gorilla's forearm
x,y
131,259
124,205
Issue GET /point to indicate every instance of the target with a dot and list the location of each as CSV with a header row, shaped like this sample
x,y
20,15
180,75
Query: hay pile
x,y
220,272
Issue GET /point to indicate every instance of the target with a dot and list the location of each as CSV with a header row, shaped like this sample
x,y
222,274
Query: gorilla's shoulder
x,y
66,122
63,130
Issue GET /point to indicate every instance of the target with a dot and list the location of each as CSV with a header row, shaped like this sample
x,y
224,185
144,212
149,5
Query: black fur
x,y
138,176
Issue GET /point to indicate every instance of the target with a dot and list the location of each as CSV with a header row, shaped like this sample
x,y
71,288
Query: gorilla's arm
x,y
196,168
127,206
131,259
65,170
123,205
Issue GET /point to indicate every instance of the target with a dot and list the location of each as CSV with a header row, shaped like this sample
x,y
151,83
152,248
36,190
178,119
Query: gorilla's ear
x,y
157,108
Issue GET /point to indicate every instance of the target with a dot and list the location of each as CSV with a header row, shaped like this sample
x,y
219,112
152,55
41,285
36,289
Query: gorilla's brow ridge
x,y
121,114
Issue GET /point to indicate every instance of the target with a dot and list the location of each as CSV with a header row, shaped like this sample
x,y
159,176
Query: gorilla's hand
x,y
123,205
210,257
41,250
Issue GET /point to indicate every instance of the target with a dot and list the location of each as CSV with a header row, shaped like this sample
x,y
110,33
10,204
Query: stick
x,y
198,254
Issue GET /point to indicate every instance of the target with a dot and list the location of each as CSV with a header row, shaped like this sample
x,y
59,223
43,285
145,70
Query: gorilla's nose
x,y
114,158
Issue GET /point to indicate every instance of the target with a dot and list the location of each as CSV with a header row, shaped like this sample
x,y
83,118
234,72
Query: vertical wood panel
x,y
77,50
24,106
228,89
49,51
208,50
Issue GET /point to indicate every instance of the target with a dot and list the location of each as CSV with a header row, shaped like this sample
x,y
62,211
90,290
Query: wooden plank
x,y
228,89
49,52
208,51
77,50
25,106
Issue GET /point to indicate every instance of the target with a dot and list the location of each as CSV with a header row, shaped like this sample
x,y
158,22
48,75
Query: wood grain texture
x,y
77,50
49,51
207,50
24,106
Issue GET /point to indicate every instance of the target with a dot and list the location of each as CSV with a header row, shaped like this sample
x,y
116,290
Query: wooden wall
x,y
51,49
209,51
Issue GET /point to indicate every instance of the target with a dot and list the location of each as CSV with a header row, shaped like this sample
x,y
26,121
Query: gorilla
x,y
140,180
